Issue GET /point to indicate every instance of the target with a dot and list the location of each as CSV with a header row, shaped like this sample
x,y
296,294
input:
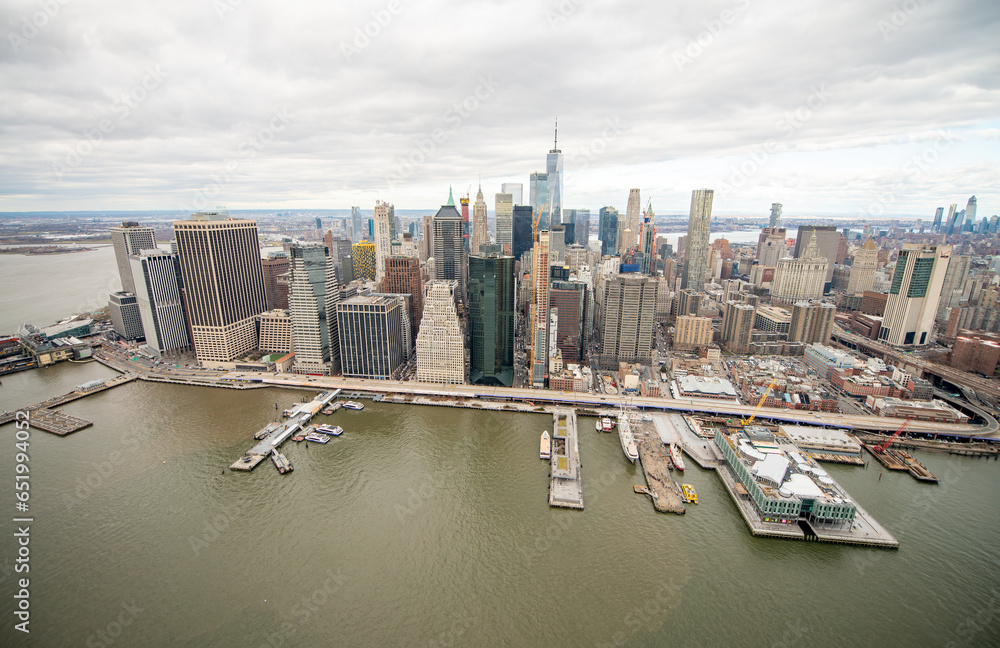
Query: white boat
x,y
332,430
316,437
353,405
676,456
606,424
629,446
545,446
598,426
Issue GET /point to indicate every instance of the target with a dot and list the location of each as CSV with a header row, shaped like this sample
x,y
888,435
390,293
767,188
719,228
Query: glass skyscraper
x,y
491,320
539,198
521,237
607,230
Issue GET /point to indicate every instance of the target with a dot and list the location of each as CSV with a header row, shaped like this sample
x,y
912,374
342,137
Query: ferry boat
x,y
689,494
281,462
545,446
676,456
353,405
332,430
629,446
316,437
606,424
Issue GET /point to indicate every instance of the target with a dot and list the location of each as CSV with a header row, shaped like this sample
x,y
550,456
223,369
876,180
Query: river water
x,y
427,526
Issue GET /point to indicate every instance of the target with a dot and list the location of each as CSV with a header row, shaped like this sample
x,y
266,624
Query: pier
x,y
901,460
656,465
565,480
273,435
43,417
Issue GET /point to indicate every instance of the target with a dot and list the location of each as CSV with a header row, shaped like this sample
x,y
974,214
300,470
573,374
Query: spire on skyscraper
x,y
451,199
555,143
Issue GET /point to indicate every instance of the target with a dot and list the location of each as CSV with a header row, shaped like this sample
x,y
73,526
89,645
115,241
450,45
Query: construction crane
x,y
885,444
748,421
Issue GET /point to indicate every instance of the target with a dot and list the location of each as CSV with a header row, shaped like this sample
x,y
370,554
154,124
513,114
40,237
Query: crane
x,y
748,421
885,444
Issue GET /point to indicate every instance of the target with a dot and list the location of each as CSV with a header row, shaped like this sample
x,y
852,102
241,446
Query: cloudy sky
x,y
848,108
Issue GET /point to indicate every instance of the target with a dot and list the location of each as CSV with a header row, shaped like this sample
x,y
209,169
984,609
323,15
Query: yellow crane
x,y
748,421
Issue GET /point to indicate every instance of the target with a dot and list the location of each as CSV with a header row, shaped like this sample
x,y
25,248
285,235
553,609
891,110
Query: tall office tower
x,y
492,286
312,305
950,223
479,233
647,237
371,336
771,246
504,212
521,236
130,238
466,228
737,321
539,322
862,275
359,225
568,221
627,309
631,223
158,293
402,276
581,230
554,180
994,224
223,284
775,216
516,191
696,253
538,196
274,265
811,322
340,249
557,243
938,214
125,316
688,302
441,341
801,278
363,260
427,237
450,260
691,332
275,332
914,294
954,283
571,299
827,242
970,211
282,282
383,236
607,230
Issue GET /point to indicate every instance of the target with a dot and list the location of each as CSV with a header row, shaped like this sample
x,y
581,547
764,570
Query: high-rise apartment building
x,y
692,332
914,294
223,284
450,260
312,305
131,238
402,276
516,191
504,213
158,293
382,222
492,286
538,184
480,235
862,275
371,336
628,228
775,221
954,283
811,322
539,324
737,322
625,320
363,260
949,226
695,270
441,341
607,230
275,265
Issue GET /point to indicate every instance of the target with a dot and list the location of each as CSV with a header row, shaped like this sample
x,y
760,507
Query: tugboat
x,y
281,462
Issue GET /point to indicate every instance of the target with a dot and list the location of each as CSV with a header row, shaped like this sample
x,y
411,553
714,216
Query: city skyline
x,y
169,110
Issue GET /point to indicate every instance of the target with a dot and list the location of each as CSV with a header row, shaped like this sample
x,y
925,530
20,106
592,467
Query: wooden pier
x,y
901,460
42,415
56,422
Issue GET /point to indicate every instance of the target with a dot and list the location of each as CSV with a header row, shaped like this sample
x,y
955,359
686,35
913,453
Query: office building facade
x,y
312,305
371,337
914,294
695,272
492,287
441,341
161,305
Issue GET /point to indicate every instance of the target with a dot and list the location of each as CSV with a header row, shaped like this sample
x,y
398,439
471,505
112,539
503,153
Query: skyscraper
x,y
273,266
914,294
970,212
466,225
538,184
607,230
504,213
827,242
949,227
312,304
521,234
359,225
862,275
771,246
647,236
402,276
441,341
479,232
938,214
581,231
427,237
158,294
800,278
737,321
516,191
130,238
775,215
811,322
554,182
539,324
696,254
223,284
491,319
363,260
371,336
123,309
631,223
627,310
450,262
954,283
570,298
383,236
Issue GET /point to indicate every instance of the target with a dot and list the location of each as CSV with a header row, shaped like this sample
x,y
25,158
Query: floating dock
x,y
655,461
301,414
565,480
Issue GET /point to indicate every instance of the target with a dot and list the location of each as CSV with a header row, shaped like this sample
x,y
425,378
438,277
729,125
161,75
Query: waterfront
x,y
430,526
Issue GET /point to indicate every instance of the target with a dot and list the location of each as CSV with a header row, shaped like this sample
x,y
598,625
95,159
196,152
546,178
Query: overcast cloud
x,y
848,107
